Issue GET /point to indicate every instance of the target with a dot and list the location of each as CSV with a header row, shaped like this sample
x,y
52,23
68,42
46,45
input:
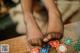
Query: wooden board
x,y
18,44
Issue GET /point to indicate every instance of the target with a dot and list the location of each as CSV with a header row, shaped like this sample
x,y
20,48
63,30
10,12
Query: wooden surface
x,y
18,44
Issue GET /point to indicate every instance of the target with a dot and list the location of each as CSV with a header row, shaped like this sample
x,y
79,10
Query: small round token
x,y
54,43
62,48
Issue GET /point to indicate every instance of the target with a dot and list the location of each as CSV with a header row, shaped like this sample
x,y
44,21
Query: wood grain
x,y
19,44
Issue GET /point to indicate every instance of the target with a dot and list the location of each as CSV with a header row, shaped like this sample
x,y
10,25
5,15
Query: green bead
x,y
68,41
77,48
78,39
77,45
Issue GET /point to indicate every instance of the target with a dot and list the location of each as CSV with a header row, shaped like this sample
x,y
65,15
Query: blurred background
x,y
11,15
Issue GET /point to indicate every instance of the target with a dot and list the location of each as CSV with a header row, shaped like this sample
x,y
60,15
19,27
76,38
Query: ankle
x,y
55,28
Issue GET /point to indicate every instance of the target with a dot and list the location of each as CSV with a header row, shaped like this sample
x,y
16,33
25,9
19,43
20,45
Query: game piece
x,y
68,41
62,48
58,35
35,50
45,49
77,45
54,43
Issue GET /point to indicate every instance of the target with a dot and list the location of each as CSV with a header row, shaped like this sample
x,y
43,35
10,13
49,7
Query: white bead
x,y
62,48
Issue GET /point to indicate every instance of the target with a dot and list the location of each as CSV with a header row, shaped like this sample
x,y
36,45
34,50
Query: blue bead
x,y
47,45
45,49
42,50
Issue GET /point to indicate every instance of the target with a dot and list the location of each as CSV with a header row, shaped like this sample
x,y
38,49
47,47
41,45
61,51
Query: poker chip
x,y
54,43
62,48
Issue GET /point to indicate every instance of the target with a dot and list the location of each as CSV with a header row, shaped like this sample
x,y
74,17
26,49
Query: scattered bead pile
x,y
60,47
54,44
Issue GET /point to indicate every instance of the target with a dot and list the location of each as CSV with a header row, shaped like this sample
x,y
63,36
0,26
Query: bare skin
x,y
34,35
33,32
54,23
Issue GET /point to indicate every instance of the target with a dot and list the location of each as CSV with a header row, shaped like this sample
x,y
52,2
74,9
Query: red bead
x,y
35,50
58,35
54,43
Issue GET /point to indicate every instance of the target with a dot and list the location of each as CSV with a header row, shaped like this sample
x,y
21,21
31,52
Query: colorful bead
x,y
77,45
68,41
55,35
45,49
35,50
54,43
62,48
58,35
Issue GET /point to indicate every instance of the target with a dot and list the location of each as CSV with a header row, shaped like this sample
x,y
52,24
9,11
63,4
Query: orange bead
x,y
54,43
35,50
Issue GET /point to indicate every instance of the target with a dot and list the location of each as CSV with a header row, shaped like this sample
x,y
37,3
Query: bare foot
x,y
54,25
30,48
54,21
34,34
